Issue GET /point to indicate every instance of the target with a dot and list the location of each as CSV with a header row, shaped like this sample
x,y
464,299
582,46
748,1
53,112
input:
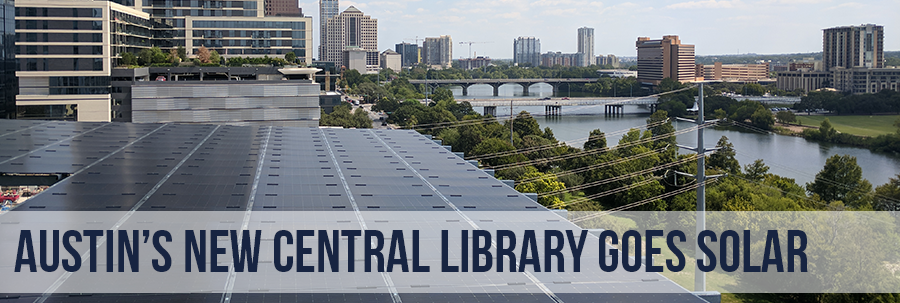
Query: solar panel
x,y
350,173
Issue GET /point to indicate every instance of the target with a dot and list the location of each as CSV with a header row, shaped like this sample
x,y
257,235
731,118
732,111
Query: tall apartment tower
x,y
527,50
586,44
438,51
327,10
351,29
853,46
409,53
9,86
282,8
664,58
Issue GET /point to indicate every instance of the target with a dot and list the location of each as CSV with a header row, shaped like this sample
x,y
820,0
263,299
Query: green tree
x,y
723,158
441,94
342,116
290,57
762,118
754,89
887,196
756,171
544,183
128,59
826,130
596,140
214,57
786,117
493,146
841,180
351,78
524,124
181,53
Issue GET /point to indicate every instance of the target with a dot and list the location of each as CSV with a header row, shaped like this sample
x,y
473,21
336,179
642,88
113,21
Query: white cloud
x,y
706,4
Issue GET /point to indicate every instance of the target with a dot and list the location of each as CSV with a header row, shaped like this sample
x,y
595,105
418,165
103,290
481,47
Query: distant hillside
x,y
893,58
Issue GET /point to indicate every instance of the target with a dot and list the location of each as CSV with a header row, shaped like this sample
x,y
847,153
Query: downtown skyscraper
x,y
586,45
853,46
327,10
527,50
351,29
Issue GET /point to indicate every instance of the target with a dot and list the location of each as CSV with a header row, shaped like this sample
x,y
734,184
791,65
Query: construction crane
x,y
416,40
470,45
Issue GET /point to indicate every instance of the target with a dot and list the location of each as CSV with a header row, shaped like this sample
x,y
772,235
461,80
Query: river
x,y
791,157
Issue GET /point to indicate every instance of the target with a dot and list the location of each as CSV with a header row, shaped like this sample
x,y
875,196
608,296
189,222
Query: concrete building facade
x,y
527,50
9,85
853,46
551,59
267,102
409,53
733,72
586,45
64,72
664,58
862,80
327,10
803,79
352,29
608,60
437,52
392,60
474,63
355,58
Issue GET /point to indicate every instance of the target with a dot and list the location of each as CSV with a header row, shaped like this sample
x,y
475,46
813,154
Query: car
x,y
565,98
383,123
545,98
161,78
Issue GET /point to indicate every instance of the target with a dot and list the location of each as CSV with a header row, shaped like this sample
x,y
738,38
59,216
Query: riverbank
x,y
866,126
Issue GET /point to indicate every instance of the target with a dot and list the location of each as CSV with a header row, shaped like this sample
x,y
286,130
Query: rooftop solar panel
x,y
357,175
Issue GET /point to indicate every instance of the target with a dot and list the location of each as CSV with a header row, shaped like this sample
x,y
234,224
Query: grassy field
x,y
857,125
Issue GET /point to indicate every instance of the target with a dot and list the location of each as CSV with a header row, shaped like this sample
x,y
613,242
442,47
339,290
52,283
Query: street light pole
x,y
699,275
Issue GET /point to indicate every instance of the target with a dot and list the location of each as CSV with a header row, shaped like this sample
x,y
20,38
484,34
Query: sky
x,y
715,27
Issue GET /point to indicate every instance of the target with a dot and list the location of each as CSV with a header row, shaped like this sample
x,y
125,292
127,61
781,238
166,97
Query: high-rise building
x,y
853,46
409,53
438,51
733,72
327,10
551,59
527,50
9,86
65,60
664,58
283,8
611,60
352,29
586,45
473,63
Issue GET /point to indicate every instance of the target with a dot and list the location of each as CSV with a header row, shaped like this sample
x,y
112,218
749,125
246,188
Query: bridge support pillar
x,y
555,88
552,110
490,111
525,87
465,90
614,110
496,87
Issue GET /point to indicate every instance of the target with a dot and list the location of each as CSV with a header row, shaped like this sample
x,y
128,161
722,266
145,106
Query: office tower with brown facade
x,y
664,58
283,8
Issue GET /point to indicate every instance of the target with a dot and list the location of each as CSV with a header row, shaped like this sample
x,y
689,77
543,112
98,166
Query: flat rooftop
x,y
176,167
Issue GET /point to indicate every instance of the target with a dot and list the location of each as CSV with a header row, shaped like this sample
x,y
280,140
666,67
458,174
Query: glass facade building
x,y
241,37
8,83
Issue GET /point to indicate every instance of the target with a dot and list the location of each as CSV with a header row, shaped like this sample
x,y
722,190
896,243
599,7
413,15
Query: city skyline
x,y
732,27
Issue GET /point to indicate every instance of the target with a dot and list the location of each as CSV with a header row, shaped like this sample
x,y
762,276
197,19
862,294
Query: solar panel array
x,y
362,173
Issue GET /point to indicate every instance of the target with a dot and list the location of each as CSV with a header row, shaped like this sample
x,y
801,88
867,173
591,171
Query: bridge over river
x,y
496,83
613,104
